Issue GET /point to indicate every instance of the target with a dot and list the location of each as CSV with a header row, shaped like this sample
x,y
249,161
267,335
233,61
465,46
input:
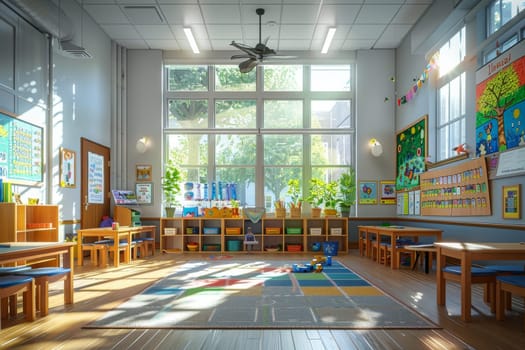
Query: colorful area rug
x,y
261,294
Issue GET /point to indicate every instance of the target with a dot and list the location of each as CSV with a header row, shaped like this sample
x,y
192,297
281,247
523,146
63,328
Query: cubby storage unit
x,y
29,223
272,234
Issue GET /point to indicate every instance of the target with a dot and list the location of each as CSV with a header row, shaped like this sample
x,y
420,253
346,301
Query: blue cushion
x,y
517,280
517,269
11,280
148,239
10,269
104,241
44,271
475,271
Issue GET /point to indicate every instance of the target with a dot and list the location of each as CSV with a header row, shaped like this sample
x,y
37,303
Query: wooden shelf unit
x,y
29,223
283,233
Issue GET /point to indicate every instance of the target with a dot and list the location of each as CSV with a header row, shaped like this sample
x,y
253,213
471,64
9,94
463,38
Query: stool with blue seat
x,y
12,285
385,251
13,298
97,253
506,286
479,275
43,276
137,248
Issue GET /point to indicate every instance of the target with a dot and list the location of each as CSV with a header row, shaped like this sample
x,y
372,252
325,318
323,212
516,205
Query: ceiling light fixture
x,y
328,39
191,40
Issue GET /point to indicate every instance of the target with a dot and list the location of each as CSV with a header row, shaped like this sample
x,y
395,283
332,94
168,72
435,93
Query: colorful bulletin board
x,y
411,154
21,145
500,103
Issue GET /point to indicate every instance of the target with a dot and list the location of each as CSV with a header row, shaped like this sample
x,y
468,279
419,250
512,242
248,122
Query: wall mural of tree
x,y
500,104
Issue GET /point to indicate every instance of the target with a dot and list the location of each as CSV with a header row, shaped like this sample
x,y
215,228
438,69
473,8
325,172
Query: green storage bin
x,y
294,230
233,245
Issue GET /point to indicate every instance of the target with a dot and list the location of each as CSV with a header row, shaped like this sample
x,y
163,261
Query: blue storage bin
x,y
330,248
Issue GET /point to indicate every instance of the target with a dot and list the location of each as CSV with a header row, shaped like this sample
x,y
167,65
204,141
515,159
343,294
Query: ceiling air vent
x,y
74,50
143,14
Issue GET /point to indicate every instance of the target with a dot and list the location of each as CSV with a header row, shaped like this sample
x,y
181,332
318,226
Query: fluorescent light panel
x,y
328,39
191,40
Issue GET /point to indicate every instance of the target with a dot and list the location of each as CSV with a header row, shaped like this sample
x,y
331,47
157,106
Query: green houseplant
x,y
171,187
316,195
294,190
347,192
330,198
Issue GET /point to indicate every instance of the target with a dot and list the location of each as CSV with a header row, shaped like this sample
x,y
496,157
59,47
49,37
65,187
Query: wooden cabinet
x,y
126,216
30,223
203,234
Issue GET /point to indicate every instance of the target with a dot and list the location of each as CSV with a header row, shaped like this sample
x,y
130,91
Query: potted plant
x,y
347,192
316,196
294,191
171,187
330,198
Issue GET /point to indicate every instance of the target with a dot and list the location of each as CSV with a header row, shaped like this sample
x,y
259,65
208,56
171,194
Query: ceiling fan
x,y
255,54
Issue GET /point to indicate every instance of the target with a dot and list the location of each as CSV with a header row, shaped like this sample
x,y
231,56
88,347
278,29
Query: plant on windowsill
x,y
315,196
171,187
330,198
294,190
347,192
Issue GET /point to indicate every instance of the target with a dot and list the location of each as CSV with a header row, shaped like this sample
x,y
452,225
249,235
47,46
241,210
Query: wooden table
x,y
123,232
468,252
20,252
427,250
394,232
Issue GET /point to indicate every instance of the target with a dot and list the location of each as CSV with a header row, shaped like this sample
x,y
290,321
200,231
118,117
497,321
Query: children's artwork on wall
x,y
387,192
511,202
67,168
367,192
144,192
500,103
411,154
143,173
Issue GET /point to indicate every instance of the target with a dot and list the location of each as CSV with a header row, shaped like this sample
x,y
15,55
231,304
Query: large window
x,y
254,132
451,115
499,12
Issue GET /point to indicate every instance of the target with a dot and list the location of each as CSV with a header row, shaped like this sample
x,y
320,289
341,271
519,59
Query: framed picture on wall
x,y
387,191
144,192
143,173
67,168
511,202
367,192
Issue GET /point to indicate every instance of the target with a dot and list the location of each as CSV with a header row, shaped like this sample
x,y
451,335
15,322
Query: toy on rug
x,y
316,264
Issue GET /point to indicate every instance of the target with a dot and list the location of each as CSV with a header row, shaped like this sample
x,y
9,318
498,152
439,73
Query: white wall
x,y
375,119
81,103
144,119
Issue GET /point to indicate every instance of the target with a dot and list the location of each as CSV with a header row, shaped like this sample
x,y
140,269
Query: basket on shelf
x,y
170,231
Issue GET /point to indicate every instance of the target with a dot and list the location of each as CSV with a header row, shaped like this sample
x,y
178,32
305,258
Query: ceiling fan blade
x,y
234,57
248,65
248,49
282,57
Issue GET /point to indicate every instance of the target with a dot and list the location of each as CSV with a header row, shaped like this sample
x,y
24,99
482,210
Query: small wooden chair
x,y
138,248
8,270
42,277
479,276
149,243
505,287
12,285
97,253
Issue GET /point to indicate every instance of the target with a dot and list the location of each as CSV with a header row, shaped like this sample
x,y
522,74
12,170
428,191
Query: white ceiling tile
x,y
271,13
155,32
133,44
251,32
293,44
300,14
106,14
134,2
182,14
221,14
163,44
296,31
223,31
358,44
377,14
393,35
223,45
409,14
121,31
340,14
143,14
366,31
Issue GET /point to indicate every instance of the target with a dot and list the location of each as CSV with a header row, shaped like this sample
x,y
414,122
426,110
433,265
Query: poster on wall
x,y
95,178
500,103
21,156
388,191
402,203
417,202
411,153
367,192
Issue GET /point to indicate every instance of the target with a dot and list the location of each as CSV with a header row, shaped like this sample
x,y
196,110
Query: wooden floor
x,y
99,290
